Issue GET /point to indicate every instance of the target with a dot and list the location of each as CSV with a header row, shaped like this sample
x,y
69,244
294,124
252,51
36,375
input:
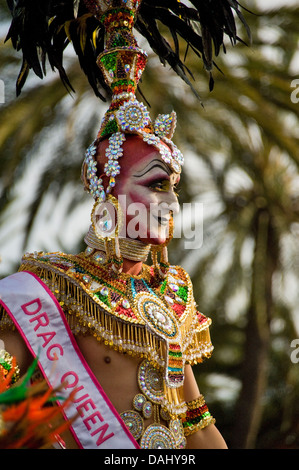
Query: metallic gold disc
x,y
157,316
177,430
134,422
157,436
147,410
139,401
151,382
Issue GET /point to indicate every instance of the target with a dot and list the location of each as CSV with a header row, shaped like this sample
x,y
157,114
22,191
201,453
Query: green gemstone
x,y
183,293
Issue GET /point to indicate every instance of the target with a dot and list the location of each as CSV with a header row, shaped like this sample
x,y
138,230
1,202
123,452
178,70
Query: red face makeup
x,y
145,189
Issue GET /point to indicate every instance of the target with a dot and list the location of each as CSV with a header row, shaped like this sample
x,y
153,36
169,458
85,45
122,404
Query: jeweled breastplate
x,y
152,403
153,318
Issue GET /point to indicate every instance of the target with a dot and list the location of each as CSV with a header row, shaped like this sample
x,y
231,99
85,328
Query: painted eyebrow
x,y
153,165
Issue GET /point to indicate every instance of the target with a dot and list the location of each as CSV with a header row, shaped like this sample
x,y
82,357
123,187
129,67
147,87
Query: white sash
x,y
42,324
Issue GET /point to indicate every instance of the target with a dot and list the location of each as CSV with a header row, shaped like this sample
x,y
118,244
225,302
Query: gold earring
x,y
107,220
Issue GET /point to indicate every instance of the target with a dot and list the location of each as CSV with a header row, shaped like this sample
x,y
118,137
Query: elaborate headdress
x,y
102,37
101,32
122,63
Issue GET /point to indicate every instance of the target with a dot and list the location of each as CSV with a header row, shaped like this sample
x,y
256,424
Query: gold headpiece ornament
x,y
101,32
122,63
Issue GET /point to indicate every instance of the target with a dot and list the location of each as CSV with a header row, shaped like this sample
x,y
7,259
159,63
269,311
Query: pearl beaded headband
x,y
170,154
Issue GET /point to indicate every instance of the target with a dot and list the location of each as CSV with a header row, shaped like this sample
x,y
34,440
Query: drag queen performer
x,y
117,323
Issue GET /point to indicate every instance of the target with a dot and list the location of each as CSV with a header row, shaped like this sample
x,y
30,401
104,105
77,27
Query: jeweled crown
x,y
122,63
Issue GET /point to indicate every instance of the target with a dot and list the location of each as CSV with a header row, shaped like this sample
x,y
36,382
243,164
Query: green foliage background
x,y
241,151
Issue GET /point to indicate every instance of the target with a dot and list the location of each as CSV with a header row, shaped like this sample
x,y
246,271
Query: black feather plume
x,y
43,29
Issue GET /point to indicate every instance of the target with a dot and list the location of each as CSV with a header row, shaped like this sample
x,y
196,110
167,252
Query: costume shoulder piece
x,y
139,315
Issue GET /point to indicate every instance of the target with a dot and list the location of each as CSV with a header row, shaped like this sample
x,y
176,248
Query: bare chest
x,y
116,373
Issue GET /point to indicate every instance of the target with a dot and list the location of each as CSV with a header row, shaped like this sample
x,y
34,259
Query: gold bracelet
x,y
197,416
194,404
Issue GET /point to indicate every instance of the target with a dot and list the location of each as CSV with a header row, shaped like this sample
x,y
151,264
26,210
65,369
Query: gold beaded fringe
x,y
86,316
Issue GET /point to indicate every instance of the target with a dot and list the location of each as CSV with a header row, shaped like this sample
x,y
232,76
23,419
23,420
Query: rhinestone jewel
x,y
133,116
174,287
134,422
165,124
147,410
99,258
125,303
104,291
176,166
139,401
151,382
105,225
177,429
156,315
95,285
168,299
157,436
172,271
160,317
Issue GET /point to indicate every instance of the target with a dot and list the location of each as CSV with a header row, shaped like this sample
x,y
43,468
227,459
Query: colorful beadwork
x,y
6,365
162,322
139,402
154,312
171,334
148,404
69,276
132,116
122,64
157,436
177,430
197,416
134,423
151,383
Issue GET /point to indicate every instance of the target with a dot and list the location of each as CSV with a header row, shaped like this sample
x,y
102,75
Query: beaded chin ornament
x,y
122,64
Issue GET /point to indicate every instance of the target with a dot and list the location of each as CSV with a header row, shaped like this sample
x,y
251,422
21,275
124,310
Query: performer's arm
x,y
209,437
